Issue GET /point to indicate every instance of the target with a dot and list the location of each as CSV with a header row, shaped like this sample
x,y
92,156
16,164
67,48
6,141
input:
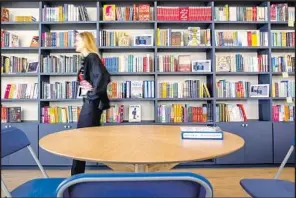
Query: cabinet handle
x,y
69,127
246,125
9,126
6,126
65,126
243,125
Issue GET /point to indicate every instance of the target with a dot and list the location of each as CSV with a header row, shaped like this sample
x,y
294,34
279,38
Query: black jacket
x,y
97,75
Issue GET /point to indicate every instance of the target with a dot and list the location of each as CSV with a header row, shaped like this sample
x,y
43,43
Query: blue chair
x,y
12,141
132,185
271,187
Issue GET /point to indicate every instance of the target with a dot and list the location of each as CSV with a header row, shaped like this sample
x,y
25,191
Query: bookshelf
x,y
258,110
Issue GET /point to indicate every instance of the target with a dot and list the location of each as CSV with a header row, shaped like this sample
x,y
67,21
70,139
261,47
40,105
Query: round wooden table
x,y
137,147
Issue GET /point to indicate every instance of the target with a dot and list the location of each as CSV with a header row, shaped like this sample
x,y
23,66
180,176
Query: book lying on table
x,y
202,133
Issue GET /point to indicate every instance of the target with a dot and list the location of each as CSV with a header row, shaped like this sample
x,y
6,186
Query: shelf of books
x,y
197,63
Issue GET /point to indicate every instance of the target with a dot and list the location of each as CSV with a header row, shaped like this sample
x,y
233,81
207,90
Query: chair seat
x,y
43,187
268,187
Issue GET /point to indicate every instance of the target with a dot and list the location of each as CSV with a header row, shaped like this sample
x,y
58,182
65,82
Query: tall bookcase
x,y
266,140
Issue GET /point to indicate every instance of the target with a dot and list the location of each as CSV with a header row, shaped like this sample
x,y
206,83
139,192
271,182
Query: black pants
x,y
89,116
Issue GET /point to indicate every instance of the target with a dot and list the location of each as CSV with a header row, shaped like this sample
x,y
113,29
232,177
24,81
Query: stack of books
x,y
202,133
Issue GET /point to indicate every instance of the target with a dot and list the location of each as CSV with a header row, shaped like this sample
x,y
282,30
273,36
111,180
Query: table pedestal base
x,y
141,167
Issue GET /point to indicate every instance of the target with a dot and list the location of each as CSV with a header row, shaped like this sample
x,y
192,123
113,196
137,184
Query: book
x,y
202,133
135,113
136,89
4,14
11,114
35,41
109,12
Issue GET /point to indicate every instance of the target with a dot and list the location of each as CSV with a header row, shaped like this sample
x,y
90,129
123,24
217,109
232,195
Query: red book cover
x,y
145,64
7,90
243,112
183,14
249,38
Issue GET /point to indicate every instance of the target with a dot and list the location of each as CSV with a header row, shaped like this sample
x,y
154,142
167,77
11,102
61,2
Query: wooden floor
x,y
225,181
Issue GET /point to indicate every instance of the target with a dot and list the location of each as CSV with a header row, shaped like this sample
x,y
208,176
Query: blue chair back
x,y
136,185
13,140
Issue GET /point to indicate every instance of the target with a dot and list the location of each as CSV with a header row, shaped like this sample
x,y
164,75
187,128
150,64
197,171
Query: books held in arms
x,y
134,113
202,133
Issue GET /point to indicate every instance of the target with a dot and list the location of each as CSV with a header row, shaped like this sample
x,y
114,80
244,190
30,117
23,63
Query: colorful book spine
x,y
53,115
284,63
66,12
60,64
13,64
282,39
283,113
232,13
21,91
113,115
230,113
59,90
184,113
186,89
226,89
284,88
192,13
129,63
240,38
131,89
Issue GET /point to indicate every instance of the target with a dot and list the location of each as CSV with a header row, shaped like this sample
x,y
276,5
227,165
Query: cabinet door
x,y
24,157
236,157
5,160
258,142
283,135
47,158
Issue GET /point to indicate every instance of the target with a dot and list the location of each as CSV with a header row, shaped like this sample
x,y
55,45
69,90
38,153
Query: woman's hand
x,y
86,85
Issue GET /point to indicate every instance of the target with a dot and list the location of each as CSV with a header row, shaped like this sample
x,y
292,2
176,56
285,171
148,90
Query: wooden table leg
x,y
141,167
161,167
121,167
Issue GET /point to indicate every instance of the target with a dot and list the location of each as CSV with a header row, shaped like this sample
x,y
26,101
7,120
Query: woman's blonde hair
x,y
89,42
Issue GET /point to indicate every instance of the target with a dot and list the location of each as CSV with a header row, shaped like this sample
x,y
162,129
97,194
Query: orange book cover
x,y
144,12
35,41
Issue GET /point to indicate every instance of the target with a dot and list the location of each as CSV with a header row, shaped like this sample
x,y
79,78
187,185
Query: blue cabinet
x,y
283,135
5,160
258,143
24,157
46,158
236,157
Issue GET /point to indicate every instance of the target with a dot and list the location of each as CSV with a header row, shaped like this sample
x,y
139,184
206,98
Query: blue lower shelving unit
x,y
265,143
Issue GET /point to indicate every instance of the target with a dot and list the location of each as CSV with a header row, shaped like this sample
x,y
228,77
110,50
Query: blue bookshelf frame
x,y
265,104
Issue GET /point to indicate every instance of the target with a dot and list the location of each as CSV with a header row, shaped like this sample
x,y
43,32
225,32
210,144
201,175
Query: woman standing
x,y
94,79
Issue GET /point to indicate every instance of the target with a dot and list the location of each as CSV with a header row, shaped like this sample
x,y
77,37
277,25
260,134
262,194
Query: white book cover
x,y
137,89
200,129
135,113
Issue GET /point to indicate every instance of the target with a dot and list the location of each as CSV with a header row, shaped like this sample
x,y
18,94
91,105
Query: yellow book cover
x,y
226,12
207,93
284,39
11,91
158,37
109,12
273,90
287,113
254,39
165,89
